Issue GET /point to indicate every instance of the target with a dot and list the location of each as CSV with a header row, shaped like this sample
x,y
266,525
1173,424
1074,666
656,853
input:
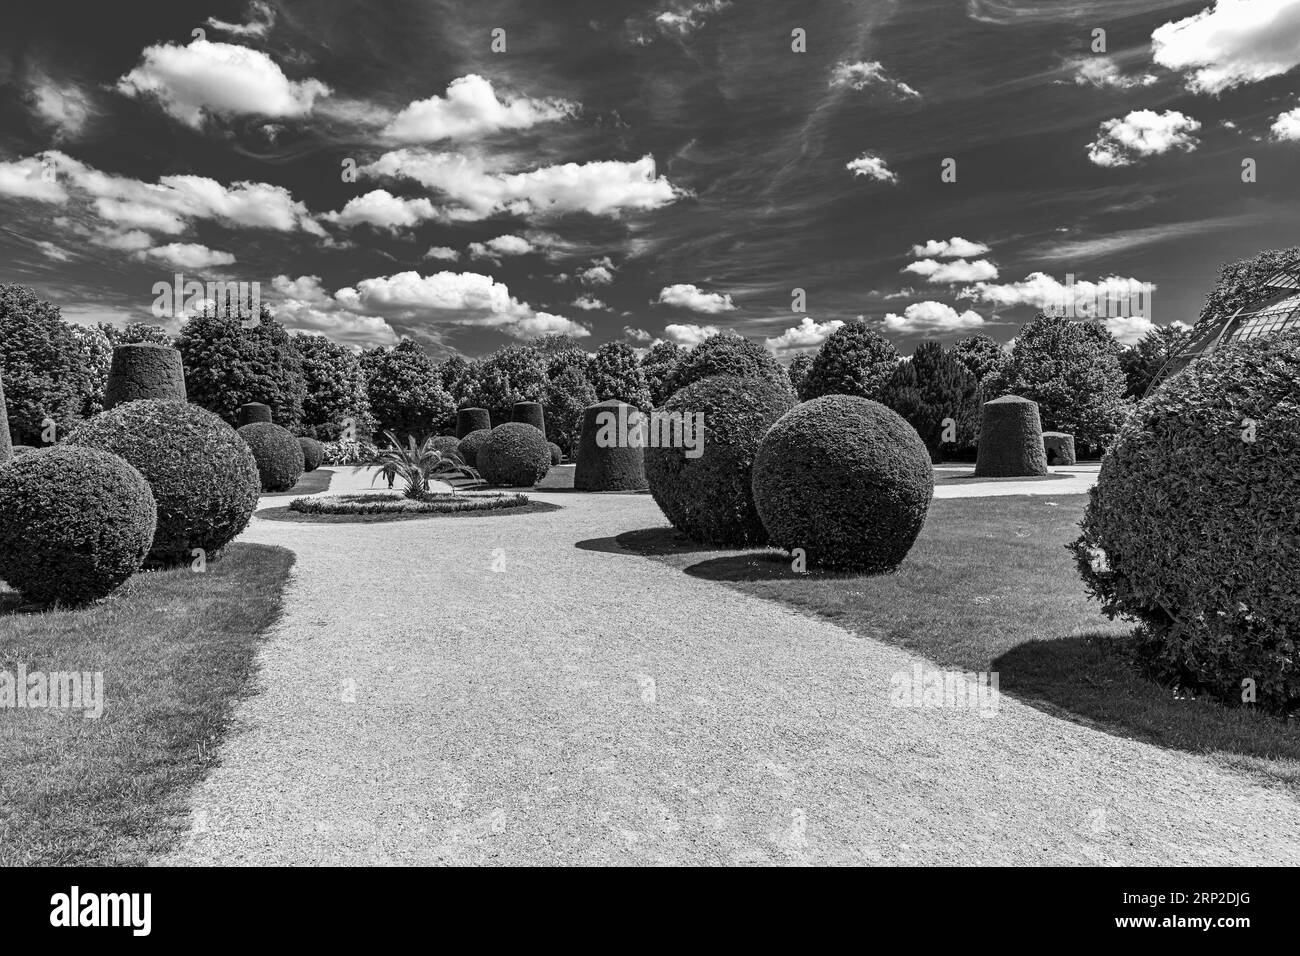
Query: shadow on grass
x,y
309,484
647,542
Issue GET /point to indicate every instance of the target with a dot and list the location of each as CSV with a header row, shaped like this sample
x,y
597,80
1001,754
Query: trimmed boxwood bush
x,y
710,498
514,455
529,413
313,453
6,445
1059,448
1011,439
469,446
846,479
202,474
1192,529
144,370
608,466
472,420
279,456
557,454
447,445
253,412
726,353
75,523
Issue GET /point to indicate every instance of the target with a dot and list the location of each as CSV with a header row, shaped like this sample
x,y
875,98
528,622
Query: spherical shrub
x,y
253,412
706,490
447,445
279,456
846,479
557,453
144,370
608,459
472,420
529,413
74,523
202,475
313,453
470,446
725,354
1011,439
1059,448
514,455
1192,527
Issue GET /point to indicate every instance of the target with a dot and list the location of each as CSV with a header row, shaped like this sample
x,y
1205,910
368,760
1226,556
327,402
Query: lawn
x,y
177,651
990,586
309,484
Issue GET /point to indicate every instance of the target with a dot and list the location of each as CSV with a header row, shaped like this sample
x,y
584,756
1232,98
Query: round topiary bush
x,y
6,444
847,480
709,496
514,455
1192,527
253,412
313,453
447,445
472,420
1059,448
557,454
144,370
472,444
279,456
1011,439
610,457
202,475
725,354
529,413
75,523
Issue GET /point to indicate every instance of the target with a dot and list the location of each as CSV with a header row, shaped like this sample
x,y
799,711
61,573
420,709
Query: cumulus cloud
x,y
1042,291
689,335
869,74
872,167
501,247
692,297
686,20
261,17
477,191
600,272
955,270
636,335
188,255
471,108
383,210
446,253
807,334
1142,133
64,107
954,248
302,305
207,79
932,317
1231,43
31,178
1102,72
1287,125
589,303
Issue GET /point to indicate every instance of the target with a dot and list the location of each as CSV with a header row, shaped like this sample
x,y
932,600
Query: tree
x,y
657,362
515,373
450,372
934,391
567,394
228,364
798,372
406,396
99,359
854,360
615,372
726,353
553,343
557,361
1238,282
47,372
135,332
1143,360
1075,379
336,389
978,353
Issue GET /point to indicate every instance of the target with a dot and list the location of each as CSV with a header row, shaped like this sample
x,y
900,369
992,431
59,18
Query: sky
x,y
471,174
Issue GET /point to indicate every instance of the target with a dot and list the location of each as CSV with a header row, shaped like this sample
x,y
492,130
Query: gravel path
x,y
479,690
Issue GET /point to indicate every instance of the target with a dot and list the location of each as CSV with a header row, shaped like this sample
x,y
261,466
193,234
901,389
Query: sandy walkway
x,y
479,690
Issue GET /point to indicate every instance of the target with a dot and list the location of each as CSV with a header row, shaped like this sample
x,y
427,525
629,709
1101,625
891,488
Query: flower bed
x,y
391,504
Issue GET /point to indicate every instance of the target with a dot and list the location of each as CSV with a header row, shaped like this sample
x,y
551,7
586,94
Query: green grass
x,y
990,586
177,650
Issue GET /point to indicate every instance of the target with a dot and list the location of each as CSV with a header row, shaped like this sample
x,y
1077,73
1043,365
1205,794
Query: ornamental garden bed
x,y
365,507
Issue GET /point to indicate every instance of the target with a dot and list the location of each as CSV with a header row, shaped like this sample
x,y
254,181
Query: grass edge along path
x,y
177,650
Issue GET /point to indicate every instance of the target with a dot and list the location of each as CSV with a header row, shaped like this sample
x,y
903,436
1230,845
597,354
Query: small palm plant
x,y
417,464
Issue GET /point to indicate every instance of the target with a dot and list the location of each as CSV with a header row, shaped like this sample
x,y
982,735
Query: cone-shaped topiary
x,y
75,523
1192,527
529,413
6,444
1059,448
253,412
557,453
447,445
201,474
279,456
472,444
514,455
847,480
472,420
313,453
610,456
144,370
1011,439
705,489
